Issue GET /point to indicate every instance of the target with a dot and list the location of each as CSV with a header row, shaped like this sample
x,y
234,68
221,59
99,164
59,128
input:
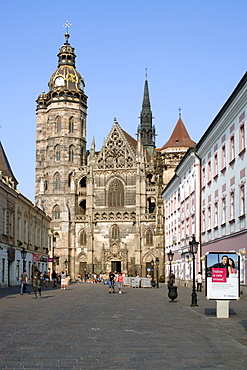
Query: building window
x,y
203,221
203,177
149,237
242,137
223,220
58,124
83,238
232,148
18,228
116,194
71,124
57,153
11,225
57,182
71,153
215,165
25,231
232,205
4,221
209,218
216,214
223,157
209,172
56,212
114,233
242,200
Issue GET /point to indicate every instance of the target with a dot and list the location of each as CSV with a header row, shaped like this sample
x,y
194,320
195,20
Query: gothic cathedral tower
x,y
60,147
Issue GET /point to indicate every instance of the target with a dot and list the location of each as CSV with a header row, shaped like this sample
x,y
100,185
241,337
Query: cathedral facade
x,y
106,206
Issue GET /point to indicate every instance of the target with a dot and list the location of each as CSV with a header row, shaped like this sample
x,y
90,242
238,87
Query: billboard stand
x,y
222,309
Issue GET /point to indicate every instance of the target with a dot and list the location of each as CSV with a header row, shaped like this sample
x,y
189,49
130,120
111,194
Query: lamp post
x,y
170,258
152,272
193,249
157,272
23,256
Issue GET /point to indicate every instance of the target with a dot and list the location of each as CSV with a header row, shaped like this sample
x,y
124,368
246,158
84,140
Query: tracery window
x,y
71,153
116,194
57,181
149,237
57,152
56,212
58,124
114,233
71,124
83,238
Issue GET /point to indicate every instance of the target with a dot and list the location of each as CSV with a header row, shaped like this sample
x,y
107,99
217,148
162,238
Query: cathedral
x,y
106,206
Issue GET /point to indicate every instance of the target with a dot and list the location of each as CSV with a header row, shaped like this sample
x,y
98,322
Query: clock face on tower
x,y
59,81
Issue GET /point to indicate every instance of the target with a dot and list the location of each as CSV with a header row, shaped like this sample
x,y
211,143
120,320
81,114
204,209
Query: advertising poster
x,y
222,275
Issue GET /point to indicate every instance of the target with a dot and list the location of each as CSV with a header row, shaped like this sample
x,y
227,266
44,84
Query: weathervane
x,y
179,109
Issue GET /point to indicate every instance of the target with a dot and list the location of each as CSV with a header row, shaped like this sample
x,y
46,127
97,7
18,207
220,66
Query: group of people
x,y
118,278
37,278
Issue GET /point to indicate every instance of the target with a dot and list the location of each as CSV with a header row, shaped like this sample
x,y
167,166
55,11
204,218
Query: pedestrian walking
x,y
111,282
36,275
46,279
199,281
63,280
54,278
120,283
24,283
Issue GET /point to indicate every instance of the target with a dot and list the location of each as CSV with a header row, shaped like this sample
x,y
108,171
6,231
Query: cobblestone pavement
x,y
85,327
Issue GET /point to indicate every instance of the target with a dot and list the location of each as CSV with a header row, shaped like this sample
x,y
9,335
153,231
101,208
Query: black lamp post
x,y
157,272
152,272
170,258
23,256
193,249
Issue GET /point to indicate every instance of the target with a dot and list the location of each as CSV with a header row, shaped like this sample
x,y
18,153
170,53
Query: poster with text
x,y
222,275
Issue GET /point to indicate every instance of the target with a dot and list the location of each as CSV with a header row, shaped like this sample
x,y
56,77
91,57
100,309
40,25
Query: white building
x,y
222,150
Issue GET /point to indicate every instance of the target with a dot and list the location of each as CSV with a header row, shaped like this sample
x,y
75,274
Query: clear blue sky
x,y
195,52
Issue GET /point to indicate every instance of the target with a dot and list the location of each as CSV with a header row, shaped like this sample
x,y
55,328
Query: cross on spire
x,y
179,110
67,25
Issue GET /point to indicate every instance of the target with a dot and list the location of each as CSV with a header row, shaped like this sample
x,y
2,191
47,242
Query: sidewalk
x,y
85,327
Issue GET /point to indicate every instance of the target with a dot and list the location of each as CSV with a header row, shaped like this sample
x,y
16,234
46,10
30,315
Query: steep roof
x,y
179,137
5,166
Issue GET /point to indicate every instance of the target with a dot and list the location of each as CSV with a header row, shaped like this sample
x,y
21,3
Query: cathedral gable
x,y
118,151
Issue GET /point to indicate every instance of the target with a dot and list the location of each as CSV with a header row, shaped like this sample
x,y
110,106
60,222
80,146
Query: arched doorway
x,y
116,266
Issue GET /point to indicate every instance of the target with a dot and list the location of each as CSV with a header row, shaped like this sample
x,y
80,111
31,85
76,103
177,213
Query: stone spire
x,y
146,128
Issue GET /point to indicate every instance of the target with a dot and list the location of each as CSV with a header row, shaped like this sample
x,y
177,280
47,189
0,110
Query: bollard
x,y
172,292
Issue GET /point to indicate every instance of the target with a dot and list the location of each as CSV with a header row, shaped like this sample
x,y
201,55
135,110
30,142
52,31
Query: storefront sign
x,y
36,257
222,275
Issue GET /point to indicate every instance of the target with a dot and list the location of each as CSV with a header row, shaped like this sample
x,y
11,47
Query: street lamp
x,y
23,256
157,272
193,249
170,258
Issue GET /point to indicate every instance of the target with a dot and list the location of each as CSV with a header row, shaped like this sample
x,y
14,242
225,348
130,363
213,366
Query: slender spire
x,y
146,128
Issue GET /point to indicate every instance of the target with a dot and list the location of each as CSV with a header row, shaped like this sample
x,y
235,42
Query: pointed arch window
x,y
71,153
116,194
71,124
56,212
82,238
58,124
114,233
57,181
82,207
149,237
57,152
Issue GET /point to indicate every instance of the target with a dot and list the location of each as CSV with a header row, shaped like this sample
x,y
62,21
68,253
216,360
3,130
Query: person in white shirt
x,y
199,281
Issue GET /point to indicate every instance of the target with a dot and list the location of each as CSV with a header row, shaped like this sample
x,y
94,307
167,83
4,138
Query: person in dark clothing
x,y
111,280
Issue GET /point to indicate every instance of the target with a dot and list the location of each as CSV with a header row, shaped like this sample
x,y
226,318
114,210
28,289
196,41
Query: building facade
x,y
211,202
106,206
24,230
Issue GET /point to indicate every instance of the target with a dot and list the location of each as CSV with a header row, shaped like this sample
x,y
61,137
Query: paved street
x,y
84,327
